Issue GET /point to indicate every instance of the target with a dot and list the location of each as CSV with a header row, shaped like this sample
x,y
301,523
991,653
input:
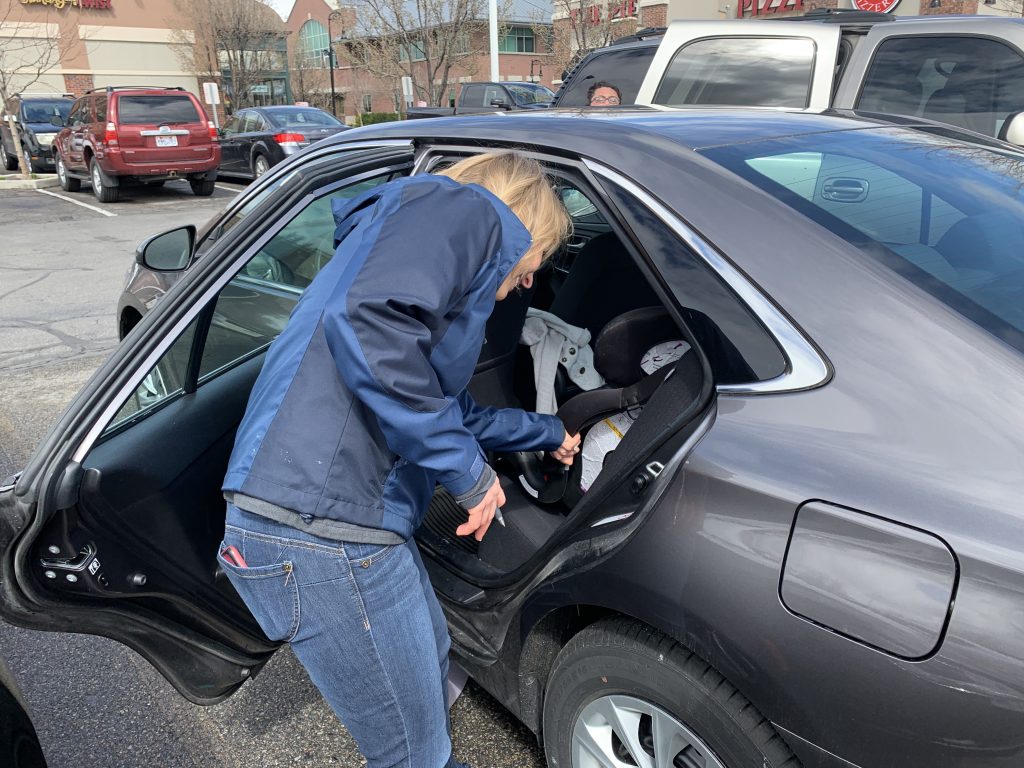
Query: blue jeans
x,y
365,623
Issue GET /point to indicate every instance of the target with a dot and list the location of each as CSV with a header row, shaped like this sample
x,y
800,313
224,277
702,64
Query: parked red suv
x,y
118,135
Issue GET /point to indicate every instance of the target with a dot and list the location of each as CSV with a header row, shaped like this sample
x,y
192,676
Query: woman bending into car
x,y
360,409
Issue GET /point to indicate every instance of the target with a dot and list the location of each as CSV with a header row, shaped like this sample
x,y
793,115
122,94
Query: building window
x,y
517,40
413,52
367,103
314,43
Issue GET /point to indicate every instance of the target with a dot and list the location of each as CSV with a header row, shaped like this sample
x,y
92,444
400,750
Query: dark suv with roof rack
x,y
119,135
31,113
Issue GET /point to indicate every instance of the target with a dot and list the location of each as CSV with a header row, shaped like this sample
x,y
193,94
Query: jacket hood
x,y
515,237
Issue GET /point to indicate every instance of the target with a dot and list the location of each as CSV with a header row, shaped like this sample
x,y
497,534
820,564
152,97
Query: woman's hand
x,y
569,448
482,514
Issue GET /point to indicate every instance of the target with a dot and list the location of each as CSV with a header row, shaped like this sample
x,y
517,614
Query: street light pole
x,y
332,16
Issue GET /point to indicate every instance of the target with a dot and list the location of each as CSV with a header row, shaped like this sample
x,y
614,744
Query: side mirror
x,y
1013,129
500,103
169,251
57,120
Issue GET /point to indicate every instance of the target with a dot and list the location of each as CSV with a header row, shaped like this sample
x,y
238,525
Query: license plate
x,y
167,141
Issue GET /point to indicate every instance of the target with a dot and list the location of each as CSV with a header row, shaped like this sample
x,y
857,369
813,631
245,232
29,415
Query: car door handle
x,y
844,190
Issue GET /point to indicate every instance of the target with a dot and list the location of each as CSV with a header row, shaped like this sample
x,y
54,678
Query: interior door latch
x,y
75,564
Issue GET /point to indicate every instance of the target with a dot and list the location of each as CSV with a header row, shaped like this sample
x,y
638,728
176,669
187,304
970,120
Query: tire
x,y
67,183
104,193
27,162
201,187
9,162
625,675
260,165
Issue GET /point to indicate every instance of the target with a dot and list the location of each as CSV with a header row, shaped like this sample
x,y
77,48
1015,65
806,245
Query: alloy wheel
x,y
623,731
62,172
27,161
97,180
261,165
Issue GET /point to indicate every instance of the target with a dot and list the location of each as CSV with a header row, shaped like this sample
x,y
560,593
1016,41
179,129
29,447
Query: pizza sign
x,y
878,6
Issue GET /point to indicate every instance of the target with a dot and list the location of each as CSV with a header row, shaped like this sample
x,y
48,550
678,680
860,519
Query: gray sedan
x,y
802,542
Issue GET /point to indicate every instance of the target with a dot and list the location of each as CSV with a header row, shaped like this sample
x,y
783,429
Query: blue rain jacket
x,y
361,405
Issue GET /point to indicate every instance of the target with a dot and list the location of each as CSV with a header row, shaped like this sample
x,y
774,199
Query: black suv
x,y
32,113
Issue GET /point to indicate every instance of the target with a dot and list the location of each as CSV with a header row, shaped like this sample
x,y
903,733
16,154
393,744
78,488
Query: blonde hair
x,y
520,182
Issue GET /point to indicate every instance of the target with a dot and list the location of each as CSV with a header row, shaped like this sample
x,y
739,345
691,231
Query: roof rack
x,y
109,88
639,35
840,16
43,94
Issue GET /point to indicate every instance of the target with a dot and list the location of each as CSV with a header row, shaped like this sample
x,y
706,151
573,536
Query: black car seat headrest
x,y
620,347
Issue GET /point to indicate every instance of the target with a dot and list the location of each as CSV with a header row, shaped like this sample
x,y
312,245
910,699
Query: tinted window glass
x,y
530,94
296,118
254,307
737,346
624,68
472,96
41,111
100,107
746,71
967,81
156,110
947,215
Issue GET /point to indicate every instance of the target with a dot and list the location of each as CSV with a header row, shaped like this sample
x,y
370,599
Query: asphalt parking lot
x,y
95,703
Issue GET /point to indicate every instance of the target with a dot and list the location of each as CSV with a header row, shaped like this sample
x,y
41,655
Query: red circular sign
x,y
878,6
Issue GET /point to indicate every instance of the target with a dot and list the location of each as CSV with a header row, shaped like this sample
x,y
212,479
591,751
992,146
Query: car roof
x,y
285,108
633,131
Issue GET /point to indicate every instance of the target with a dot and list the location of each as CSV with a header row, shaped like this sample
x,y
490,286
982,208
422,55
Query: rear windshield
x,y
740,71
297,118
624,68
41,111
156,110
946,214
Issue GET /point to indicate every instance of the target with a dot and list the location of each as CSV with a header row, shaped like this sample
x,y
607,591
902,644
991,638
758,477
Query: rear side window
x,y
971,82
100,105
472,96
624,68
740,71
145,110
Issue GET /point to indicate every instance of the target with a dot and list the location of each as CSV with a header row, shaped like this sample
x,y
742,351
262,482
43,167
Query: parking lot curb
x,y
14,181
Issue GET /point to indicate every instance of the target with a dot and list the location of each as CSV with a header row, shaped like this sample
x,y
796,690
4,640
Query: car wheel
x,y
104,193
10,163
26,161
622,693
260,165
201,187
67,183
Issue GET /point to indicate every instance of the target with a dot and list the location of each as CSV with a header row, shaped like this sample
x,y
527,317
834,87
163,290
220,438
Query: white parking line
x,y
229,189
76,202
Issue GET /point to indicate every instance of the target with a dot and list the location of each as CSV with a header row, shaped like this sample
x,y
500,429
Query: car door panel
x,y
136,516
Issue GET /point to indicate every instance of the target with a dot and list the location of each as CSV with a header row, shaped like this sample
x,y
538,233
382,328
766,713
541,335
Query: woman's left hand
x,y
569,448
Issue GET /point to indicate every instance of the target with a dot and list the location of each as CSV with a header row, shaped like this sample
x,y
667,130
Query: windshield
x,y
946,214
300,118
530,94
36,111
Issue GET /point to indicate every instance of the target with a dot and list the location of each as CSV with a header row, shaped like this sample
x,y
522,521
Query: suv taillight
x,y
213,130
289,138
110,135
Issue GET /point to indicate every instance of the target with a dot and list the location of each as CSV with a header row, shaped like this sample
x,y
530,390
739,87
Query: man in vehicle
x,y
604,94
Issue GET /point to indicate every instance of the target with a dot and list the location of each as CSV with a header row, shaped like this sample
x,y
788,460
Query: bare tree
x,y
421,39
583,25
311,80
27,53
242,38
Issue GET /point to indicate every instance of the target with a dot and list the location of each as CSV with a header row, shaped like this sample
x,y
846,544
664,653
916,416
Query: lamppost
x,y
333,16
540,68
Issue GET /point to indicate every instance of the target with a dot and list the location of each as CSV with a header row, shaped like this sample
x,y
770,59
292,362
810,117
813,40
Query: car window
x,y
736,344
156,109
234,124
530,94
76,116
624,68
295,118
251,123
165,380
472,96
41,111
494,93
254,307
100,107
944,213
731,71
971,82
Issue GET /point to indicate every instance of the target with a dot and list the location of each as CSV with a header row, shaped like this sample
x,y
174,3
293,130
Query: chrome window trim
x,y
170,338
806,367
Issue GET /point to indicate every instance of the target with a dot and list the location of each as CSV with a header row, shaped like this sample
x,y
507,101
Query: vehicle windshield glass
x,y
530,94
41,111
944,213
156,110
299,118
